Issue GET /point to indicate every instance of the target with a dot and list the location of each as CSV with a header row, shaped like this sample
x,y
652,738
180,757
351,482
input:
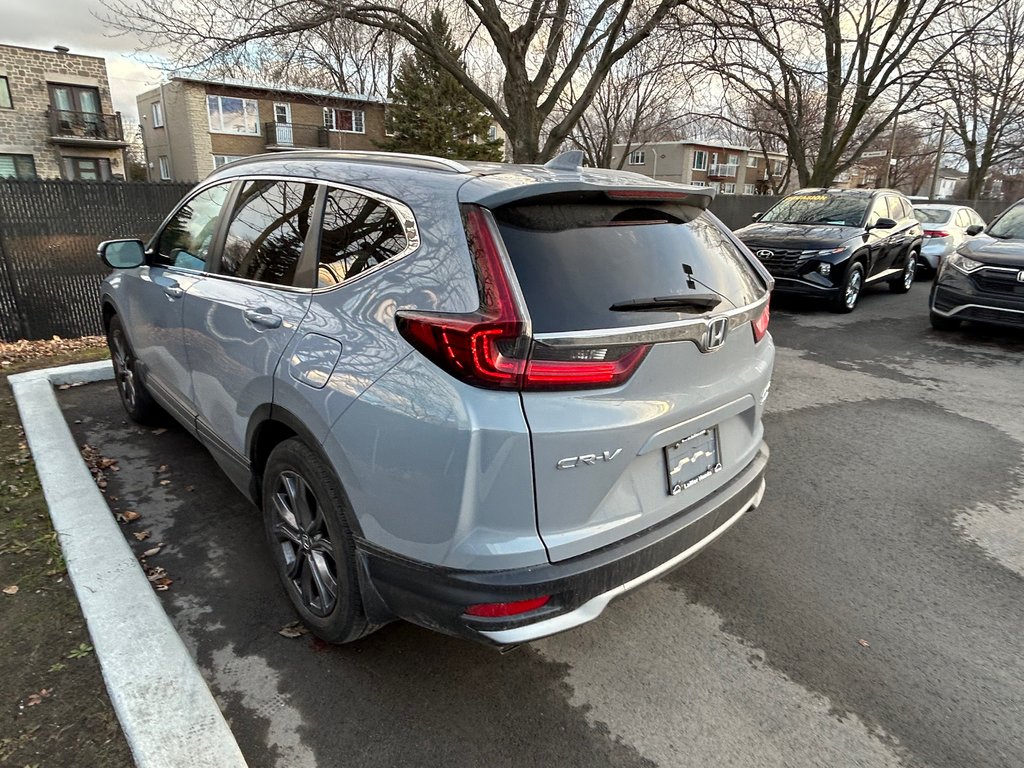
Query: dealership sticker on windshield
x,y
808,197
691,460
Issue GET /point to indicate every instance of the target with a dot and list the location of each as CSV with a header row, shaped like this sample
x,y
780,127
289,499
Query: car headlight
x,y
963,263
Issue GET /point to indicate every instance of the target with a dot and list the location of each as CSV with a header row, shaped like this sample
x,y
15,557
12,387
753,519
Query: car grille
x,y
781,262
1004,283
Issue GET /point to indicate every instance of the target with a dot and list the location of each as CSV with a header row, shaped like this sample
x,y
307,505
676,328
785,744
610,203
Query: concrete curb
x,y
166,710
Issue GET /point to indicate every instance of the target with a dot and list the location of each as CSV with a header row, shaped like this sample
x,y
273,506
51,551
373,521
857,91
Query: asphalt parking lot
x,y
868,614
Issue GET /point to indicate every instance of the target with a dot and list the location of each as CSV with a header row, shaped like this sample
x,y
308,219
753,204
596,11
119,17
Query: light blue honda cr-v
x,y
484,398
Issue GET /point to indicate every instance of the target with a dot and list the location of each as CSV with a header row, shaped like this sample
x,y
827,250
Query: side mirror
x,y
757,216
884,223
975,229
122,254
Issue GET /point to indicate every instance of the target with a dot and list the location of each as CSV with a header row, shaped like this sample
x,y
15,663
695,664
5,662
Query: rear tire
x,y
903,283
137,402
851,289
943,323
305,514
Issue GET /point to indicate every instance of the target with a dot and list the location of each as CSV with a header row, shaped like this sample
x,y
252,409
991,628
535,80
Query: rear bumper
x,y
580,587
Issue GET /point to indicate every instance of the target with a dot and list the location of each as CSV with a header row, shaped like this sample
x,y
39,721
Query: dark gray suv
x,y
484,398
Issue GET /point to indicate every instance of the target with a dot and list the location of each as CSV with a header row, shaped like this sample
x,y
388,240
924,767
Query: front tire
x,y
305,516
903,283
851,289
137,402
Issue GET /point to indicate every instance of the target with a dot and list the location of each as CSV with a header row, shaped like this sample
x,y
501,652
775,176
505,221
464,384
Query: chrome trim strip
x,y
962,307
591,609
883,274
677,330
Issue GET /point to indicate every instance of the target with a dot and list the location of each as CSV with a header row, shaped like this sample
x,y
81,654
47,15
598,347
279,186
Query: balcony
x,y
85,129
294,136
722,171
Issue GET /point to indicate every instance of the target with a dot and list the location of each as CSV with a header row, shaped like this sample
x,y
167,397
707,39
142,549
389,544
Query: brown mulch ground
x,y
15,352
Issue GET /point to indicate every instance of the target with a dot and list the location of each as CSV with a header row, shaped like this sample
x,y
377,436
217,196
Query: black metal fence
x,y
49,273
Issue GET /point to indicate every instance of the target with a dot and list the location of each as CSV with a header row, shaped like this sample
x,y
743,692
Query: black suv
x,y
830,243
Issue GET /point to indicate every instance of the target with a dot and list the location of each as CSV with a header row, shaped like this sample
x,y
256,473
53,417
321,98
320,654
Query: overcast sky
x,y
46,23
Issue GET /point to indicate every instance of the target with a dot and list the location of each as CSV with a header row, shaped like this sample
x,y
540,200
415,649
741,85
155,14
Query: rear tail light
x,y
760,325
491,610
936,233
492,348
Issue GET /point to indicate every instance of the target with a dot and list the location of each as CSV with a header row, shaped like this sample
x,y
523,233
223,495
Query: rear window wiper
x,y
693,302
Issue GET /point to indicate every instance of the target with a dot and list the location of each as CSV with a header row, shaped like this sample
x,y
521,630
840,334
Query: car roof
x,y
838,191
487,183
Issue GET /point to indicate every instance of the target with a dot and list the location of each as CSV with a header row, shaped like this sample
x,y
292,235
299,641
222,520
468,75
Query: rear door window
x,y
187,238
575,261
268,228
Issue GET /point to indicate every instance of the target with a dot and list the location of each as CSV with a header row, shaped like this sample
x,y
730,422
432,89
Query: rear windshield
x,y
932,215
574,262
820,208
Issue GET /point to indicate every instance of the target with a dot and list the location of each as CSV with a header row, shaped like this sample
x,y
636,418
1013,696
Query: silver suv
x,y
487,399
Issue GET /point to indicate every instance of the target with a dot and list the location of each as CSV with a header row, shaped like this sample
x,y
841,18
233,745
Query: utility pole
x,y
938,160
892,149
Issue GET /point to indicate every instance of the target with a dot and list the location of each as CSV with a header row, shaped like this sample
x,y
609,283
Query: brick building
x,y
191,126
56,116
731,169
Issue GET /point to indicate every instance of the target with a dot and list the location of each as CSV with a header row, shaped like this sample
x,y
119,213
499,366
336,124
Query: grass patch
x,y
55,706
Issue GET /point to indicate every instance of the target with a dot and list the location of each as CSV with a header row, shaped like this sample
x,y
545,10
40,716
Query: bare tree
x,y
640,101
540,44
981,88
822,67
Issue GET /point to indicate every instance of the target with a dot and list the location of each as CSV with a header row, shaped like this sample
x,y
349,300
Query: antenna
x,y
567,161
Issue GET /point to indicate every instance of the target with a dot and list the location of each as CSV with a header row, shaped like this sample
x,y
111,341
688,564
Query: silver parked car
x,y
484,398
946,227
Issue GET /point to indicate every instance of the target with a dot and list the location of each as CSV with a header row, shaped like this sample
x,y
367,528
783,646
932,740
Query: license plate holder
x,y
691,460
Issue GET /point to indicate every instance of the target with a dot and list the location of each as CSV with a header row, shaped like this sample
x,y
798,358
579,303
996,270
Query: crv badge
x,y
715,333
590,459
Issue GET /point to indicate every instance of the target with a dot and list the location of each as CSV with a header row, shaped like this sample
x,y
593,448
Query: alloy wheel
x,y
123,369
853,286
300,532
909,271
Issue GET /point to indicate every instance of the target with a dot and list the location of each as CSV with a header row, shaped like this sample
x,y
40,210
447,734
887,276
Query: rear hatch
x,y
657,293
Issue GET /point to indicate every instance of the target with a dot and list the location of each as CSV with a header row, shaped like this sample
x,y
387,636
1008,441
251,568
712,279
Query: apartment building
x,y
56,117
729,168
191,126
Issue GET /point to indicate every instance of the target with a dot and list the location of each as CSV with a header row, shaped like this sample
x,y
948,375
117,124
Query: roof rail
x,y
402,158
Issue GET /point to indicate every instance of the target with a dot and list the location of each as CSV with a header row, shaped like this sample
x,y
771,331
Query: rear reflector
x,y
491,610
761,325
491,348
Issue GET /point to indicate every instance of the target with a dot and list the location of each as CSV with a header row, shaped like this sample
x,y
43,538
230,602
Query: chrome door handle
x,y
174,291
262,318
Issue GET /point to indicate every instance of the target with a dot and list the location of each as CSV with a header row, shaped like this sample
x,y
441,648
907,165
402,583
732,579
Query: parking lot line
x,y
169,716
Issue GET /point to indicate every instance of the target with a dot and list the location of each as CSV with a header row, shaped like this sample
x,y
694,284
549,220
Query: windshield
x,y
932,215
837,210
1009,226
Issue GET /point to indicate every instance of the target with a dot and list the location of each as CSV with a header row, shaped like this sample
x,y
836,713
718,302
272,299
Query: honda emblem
x,y
714,335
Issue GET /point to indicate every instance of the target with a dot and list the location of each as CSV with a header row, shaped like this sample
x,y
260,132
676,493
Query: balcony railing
x,y
70,127
294,135
722,171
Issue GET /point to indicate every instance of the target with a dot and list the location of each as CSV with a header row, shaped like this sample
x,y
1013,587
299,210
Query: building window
x,y
231,115
17,167
748,189
776,167
219,160
729,189
637,157
492,133
751,161
87,168
5,94
715,185
700,160
158,115
165,168
347,120
734,160
699,183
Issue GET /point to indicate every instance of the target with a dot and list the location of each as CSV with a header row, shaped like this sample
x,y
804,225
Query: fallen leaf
x,y
11,590
159,431
165,482
190,488
152,551
128,516
294,629
37,698
141,535
864,643
62,386
162,468
156,573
